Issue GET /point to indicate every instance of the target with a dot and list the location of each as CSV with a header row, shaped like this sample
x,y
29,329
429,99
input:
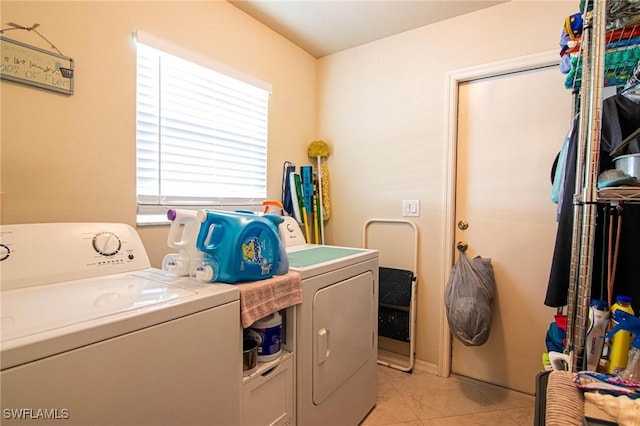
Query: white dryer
x,y
91,334
336,334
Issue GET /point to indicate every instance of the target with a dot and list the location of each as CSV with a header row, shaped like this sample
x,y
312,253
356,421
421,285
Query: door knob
x,y
462,245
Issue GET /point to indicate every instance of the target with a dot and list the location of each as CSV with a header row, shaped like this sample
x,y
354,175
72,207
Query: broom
x,y
319,149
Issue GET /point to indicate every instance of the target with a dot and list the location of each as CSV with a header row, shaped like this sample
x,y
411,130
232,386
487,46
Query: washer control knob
x,y
106,243
4,252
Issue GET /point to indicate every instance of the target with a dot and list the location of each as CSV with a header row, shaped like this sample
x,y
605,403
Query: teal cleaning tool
x,y
307,186
303,209
307,193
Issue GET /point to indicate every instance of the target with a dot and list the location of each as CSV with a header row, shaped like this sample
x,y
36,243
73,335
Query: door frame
x,y
453,80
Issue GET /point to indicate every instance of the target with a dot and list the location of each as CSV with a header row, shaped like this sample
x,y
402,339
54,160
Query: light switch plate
x,y
410,207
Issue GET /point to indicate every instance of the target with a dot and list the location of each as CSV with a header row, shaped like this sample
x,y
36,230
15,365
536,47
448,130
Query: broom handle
x,y
320,211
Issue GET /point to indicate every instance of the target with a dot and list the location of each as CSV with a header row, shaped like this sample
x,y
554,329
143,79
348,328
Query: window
x,y
201,136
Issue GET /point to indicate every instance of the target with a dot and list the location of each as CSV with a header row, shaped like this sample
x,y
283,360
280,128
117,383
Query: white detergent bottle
x,y
598,321
179,264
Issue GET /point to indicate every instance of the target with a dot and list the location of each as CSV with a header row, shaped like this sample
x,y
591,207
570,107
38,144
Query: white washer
x,y
93,335
336,333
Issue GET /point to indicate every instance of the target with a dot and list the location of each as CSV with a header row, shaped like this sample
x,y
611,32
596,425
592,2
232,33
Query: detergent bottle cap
x,y
600,305
205,270
623,299
272,206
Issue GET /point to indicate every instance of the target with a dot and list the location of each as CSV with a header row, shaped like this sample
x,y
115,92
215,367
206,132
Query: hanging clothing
x,y
558,171
620,118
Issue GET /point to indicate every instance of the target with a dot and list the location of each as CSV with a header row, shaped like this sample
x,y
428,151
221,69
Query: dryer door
x,y
344,332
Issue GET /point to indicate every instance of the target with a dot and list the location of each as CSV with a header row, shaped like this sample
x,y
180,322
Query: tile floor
x,y
423,399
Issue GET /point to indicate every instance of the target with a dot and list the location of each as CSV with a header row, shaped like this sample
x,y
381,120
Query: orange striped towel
x,y
261,298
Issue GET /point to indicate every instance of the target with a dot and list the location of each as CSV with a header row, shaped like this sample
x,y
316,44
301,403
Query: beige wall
x,y
72,158
383,108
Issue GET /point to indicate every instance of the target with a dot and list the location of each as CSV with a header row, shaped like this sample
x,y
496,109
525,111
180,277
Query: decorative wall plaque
x,y
34,66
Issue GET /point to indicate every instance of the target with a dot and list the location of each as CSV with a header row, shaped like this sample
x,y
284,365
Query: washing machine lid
x,y
35,310
314,259
40,321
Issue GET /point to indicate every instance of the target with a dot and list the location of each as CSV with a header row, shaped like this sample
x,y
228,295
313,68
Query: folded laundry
x,y
615,177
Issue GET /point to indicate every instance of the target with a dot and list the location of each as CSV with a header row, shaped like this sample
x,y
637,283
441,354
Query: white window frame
x,y
151,201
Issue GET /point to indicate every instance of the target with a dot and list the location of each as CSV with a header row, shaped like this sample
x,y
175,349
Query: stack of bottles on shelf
x,y
608,352
628,369
612,340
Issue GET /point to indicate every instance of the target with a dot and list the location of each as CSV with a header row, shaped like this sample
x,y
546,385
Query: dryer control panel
x,y
35,254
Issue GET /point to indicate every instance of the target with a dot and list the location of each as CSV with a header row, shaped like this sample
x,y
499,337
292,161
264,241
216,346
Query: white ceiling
x,y
323,27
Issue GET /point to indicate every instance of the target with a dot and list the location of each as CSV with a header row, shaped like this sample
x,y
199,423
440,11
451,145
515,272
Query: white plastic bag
x,y
468,299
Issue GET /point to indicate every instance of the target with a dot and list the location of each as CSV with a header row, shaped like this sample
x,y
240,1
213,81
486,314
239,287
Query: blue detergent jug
x,y
277,220
238,246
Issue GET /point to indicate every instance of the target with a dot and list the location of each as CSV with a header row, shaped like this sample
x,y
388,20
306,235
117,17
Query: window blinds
x,y
201,135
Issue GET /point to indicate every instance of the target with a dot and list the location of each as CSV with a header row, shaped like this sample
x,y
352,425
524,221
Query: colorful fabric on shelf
x,y
621,34
590,381
622,54
618,67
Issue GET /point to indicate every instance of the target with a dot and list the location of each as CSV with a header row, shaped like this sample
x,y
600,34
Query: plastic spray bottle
x,y
598,320
627,322
621,339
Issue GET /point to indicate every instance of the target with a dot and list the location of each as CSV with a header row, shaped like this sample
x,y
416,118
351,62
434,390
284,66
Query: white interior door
x,y
510,128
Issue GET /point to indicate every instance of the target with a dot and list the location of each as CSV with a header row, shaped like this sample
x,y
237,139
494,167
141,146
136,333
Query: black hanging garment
x,y
620,118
